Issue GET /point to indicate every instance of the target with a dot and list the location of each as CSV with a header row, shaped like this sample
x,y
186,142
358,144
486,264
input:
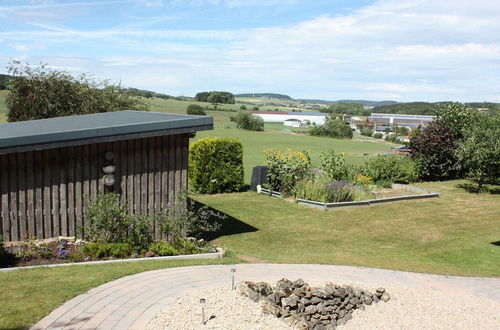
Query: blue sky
x,y
404,50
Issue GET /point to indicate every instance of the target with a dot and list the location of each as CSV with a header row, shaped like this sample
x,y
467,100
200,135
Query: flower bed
x,y
404,192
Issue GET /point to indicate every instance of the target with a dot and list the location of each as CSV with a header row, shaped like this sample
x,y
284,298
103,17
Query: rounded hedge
x,y
216,165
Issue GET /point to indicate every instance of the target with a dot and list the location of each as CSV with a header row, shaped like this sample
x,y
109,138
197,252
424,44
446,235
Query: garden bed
x,y
397,192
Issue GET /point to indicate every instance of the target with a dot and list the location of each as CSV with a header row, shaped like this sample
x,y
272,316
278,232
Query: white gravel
x,y
408,309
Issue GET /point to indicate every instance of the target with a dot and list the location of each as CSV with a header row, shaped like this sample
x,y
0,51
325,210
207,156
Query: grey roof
x,y
322,114
93,128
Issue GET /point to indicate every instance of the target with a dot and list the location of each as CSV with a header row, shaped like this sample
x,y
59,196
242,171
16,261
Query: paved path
x,y
131,302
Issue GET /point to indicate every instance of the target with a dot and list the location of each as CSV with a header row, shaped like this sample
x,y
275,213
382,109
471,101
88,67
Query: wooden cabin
x,y
50,169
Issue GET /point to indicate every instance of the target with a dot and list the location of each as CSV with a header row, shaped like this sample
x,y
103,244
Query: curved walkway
x,y
131,302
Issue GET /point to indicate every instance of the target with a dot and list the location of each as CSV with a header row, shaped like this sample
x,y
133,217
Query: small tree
x,y
334,128
246,120
480,150
40,92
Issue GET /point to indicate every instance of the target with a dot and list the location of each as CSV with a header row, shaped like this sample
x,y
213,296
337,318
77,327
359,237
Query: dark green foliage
x,y
366,131
140,233
394,139
392,168
479,151
148,94
334,128
246,120
243,107
457,118
412,108
4,81
37,93
434,148
215,97
163,249
106,250
378,135
255,108
216,165
195,110
6,257
347,108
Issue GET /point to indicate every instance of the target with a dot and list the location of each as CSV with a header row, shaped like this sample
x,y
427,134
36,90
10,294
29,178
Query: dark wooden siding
x,y
44,193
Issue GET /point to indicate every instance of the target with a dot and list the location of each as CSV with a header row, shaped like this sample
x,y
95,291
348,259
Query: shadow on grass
x,y
492,188
497,243
228,224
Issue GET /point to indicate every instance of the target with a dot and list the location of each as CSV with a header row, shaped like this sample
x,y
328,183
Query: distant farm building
x,y
293,119
381,122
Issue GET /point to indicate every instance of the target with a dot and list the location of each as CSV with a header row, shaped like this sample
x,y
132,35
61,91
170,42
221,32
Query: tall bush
x,y
107,220
334,128
434,148
195,110
335,167
286,167
216,165
40,92
393,168
246,120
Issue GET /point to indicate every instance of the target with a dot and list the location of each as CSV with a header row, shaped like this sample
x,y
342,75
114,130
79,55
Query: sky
x,y
403,50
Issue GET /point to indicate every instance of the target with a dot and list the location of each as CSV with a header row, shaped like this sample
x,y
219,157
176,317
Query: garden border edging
x,y
328,206
213,255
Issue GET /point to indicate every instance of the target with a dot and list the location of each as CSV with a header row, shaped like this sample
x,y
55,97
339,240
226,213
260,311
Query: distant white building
x,y
292,118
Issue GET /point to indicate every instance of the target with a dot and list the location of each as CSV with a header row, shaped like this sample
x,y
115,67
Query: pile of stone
x,y
308,307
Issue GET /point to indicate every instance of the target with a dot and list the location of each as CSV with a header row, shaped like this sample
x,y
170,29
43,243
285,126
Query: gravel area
x,y
408,309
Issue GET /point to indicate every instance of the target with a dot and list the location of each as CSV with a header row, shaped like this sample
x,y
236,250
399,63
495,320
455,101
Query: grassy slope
x,y
255,142
28,295
3,108
448,235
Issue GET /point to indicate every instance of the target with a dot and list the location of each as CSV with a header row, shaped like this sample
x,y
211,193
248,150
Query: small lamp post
x,y
233,270
202,302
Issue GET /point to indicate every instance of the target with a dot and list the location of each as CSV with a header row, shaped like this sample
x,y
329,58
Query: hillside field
x,y
254,143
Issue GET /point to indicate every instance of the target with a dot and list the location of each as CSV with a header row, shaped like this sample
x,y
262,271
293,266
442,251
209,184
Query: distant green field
x,y
254,143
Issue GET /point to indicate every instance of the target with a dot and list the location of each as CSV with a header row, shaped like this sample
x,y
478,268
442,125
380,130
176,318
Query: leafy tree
x,y
215,97
202,96
243,107
333,127
196,110
480,150
457,117
40,92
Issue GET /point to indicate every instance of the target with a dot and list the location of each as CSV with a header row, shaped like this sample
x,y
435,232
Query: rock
x,y
357,292
298,283
300,308
305,301
320,293
290,301
150,254
368,301
321,309
274,297
311,309
380,290
354,301
315,300
264,288
319,326
134,255
385,297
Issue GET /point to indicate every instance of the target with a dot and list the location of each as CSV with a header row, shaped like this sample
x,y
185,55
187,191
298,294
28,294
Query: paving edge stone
x,y
215,255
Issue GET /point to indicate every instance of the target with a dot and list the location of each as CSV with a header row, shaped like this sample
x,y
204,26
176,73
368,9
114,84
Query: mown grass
x,y
29,295
452,234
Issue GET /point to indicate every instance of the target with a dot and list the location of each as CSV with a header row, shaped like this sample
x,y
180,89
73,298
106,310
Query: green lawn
x,y
452,234
29,295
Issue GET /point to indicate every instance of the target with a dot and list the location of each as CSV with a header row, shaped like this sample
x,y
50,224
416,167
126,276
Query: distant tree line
x,y
268,95
215,97
426,108
355,109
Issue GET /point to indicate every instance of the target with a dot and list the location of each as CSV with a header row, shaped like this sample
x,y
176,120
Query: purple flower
x,y
62,253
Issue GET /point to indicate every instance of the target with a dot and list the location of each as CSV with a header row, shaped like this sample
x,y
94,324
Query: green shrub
x,y
378,135
216,165
243,107
140,233
286,167
6,257
186,246
394,139
40,92
335,167
334,128
106,250
195,110
246,120
163,249
182,219
366,131
107,220
394,168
